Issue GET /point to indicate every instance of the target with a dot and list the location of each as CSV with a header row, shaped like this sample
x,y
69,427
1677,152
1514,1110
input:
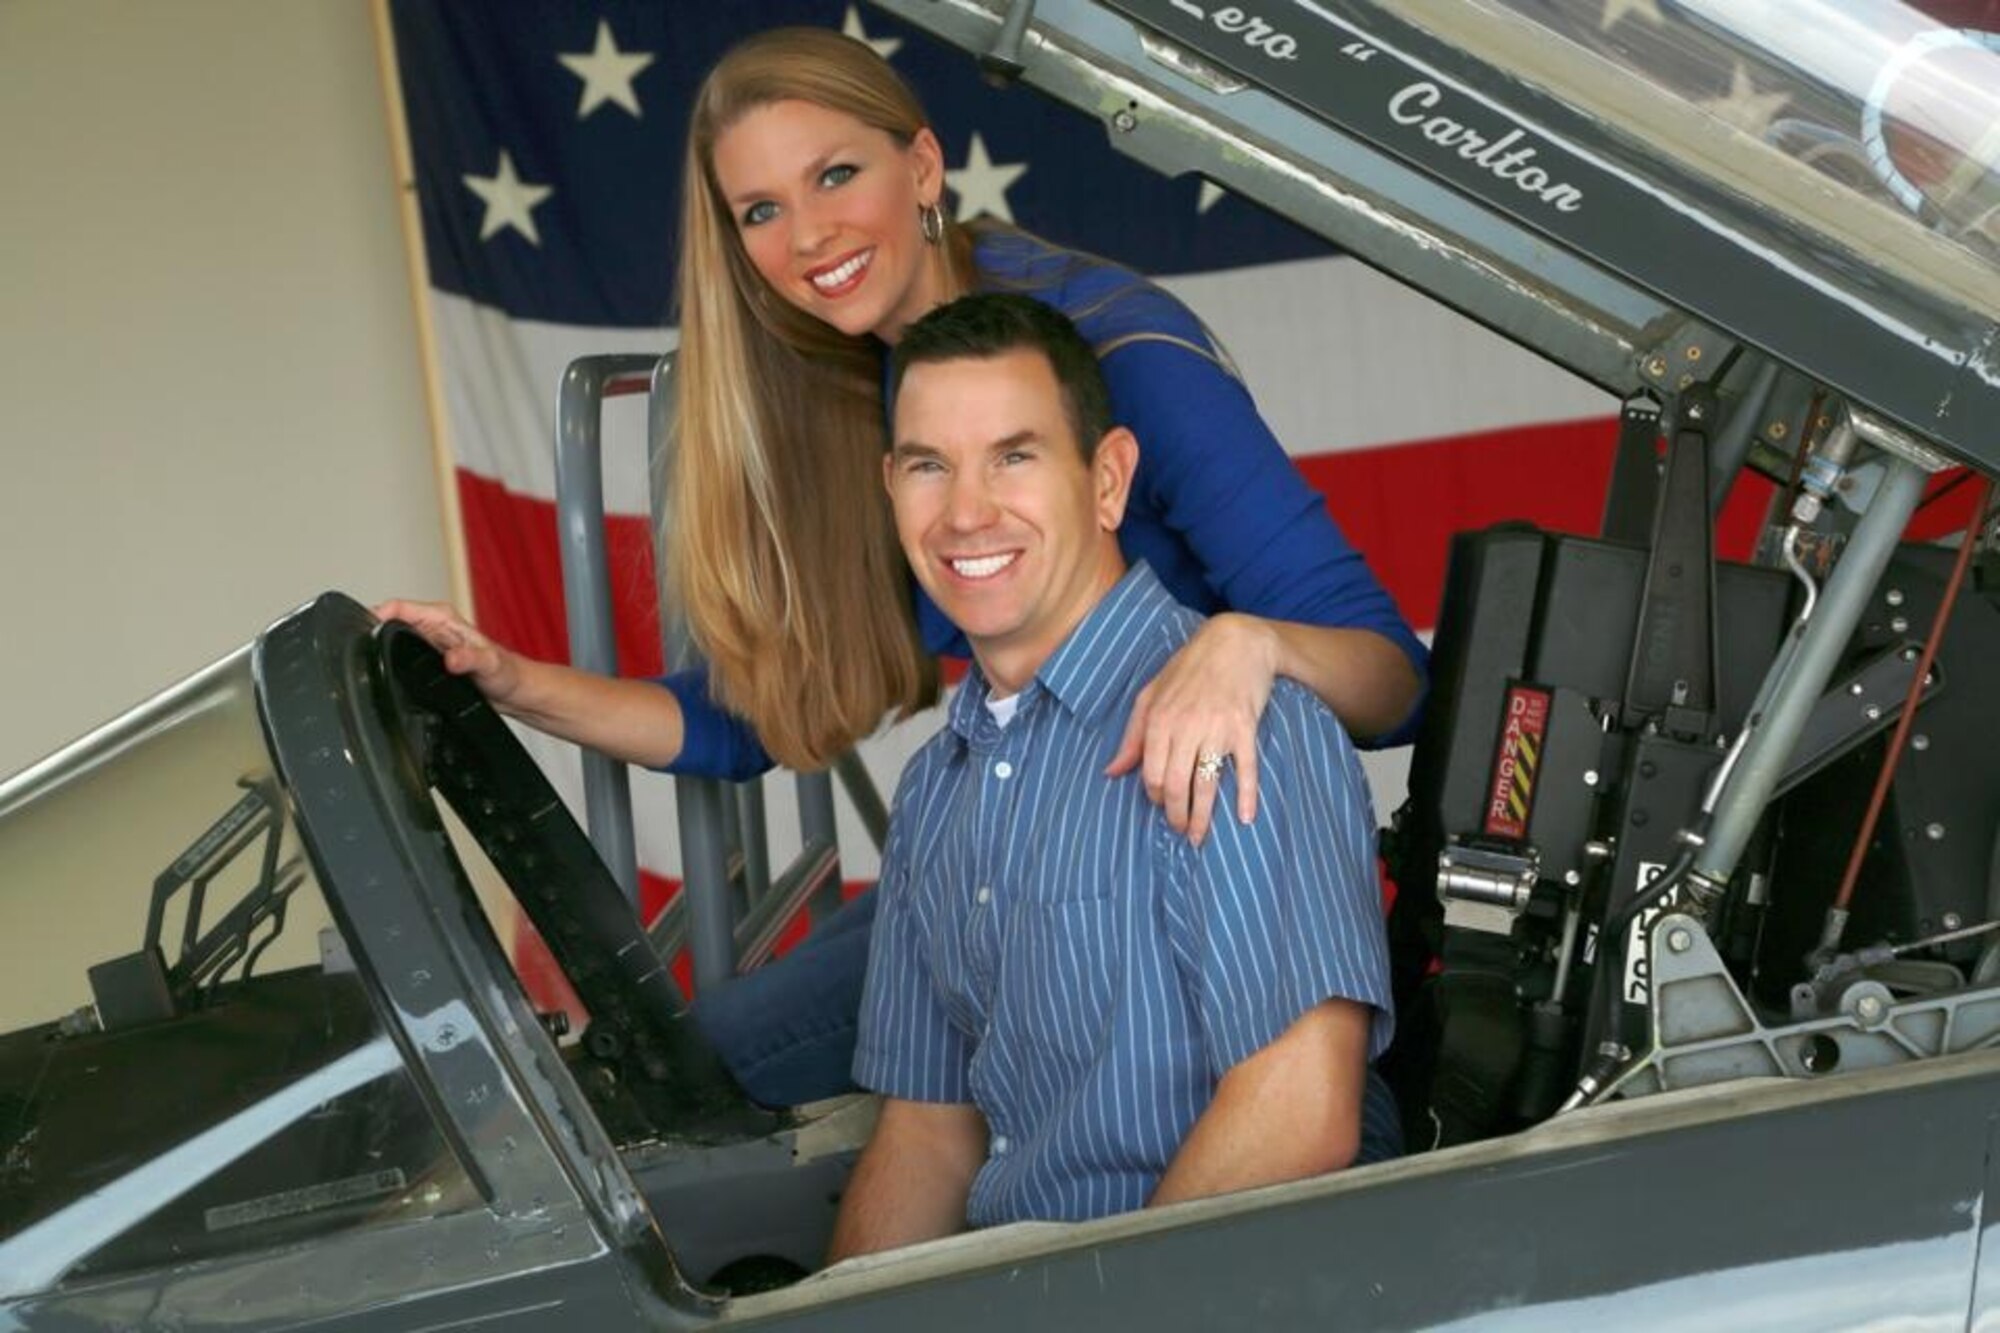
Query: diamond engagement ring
x,y
1208,766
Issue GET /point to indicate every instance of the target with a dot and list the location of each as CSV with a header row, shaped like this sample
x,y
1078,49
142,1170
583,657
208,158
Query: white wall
x,y
211,406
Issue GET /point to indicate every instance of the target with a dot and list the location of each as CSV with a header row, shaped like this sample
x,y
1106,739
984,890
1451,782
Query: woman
x,y
813,233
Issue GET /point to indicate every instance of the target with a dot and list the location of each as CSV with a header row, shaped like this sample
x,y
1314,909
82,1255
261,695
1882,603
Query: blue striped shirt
x,y
1050,950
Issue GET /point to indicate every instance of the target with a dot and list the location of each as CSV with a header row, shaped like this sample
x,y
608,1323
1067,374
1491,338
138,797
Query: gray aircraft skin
x,y
317,1095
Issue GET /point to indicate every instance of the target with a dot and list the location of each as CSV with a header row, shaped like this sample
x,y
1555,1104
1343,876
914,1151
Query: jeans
x,y
1381,1125
786,1030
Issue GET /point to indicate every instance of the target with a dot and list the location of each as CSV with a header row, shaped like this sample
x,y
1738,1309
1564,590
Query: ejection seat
x,y
1589,697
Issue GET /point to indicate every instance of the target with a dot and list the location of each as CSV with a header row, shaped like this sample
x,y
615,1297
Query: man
x,y
1071,1009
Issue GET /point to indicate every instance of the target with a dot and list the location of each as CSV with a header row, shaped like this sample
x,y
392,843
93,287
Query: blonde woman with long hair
x,y
813,233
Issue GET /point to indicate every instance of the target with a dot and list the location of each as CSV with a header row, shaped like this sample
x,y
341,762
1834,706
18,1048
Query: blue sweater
x,y
1217,509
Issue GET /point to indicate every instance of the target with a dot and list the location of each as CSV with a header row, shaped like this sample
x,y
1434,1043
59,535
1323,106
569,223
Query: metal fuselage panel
x,y
1820,1212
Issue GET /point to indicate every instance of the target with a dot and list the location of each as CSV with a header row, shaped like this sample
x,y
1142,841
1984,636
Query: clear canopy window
x,y
188,1063
1865,119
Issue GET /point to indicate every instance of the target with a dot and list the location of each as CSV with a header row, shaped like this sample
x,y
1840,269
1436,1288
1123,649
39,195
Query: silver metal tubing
x,y
219,685
1800,572
753,836
1003,58
805,880
1945,937
1721,778
1840,443
700,806
1732,442
607,797
816,830
704,808
856,781
1566,952
1778,671
1807,669
675,643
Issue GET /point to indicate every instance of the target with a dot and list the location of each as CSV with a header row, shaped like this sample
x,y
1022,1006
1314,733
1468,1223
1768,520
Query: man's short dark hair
x,y
987,324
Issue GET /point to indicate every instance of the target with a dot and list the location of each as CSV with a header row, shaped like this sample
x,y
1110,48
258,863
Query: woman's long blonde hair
x,y
780,545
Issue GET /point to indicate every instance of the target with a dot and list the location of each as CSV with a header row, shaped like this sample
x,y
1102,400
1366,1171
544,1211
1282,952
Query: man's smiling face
x,y
1009,527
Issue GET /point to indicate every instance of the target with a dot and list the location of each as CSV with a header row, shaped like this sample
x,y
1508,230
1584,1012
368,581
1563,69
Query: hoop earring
x,y
930,221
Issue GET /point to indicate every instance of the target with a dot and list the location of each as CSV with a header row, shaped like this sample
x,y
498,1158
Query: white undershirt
x,y
1003,709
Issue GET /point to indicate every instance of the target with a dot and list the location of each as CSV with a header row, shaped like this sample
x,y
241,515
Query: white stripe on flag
x,y
1390,366
1340,357
502,376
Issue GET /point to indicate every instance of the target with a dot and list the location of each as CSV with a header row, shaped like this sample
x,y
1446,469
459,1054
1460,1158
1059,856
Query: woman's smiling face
x,y
827,209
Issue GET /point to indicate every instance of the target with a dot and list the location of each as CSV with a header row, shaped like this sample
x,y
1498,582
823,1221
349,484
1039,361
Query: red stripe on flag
x,y
510,547
1400,504
1946,507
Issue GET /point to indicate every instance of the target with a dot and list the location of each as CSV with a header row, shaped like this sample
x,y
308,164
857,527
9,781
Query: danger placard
x,y
1516,761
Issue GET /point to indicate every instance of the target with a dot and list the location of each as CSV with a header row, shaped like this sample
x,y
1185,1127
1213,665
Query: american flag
x,y
546,143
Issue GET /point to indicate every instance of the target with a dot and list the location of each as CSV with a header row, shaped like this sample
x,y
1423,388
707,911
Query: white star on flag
x,y
1745,108
1211,195
981,184
886,47
510,201
607,73
1614,10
